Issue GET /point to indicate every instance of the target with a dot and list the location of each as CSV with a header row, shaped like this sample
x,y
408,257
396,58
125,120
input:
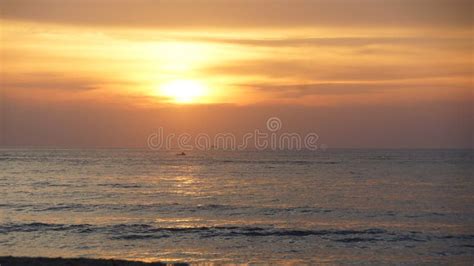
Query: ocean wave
x,y
165,208
206,231
277,162
221,210
148,231
119,185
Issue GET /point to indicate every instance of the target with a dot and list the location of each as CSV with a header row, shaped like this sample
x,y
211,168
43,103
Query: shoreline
x,y
45,261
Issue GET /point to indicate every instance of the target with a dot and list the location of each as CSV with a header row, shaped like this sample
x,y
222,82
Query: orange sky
x,y
324,66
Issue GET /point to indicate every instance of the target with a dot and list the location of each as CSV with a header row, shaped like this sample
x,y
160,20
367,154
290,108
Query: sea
x,y
334,206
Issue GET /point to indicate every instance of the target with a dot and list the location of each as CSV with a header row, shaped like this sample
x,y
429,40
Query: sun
x,y
183,91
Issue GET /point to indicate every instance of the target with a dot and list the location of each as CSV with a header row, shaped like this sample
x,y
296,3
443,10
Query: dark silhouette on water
x,y
14,261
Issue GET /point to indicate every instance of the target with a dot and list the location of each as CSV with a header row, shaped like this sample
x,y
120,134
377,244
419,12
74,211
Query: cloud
x,y
465,43
293,91
243,13
46,81
338,71
206,37
301,90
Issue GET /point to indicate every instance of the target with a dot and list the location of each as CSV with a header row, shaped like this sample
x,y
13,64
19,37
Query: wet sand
x,y
13,261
